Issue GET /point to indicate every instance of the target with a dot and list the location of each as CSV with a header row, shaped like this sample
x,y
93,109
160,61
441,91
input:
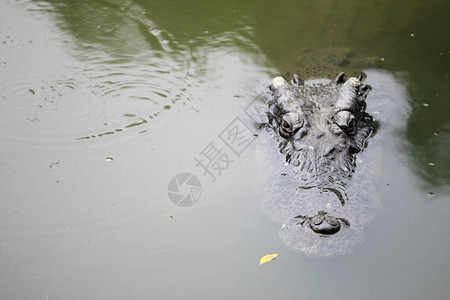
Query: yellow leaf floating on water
x,y
268,257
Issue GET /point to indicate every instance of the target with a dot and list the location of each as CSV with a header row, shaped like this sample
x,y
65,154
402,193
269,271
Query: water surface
x,y
103,102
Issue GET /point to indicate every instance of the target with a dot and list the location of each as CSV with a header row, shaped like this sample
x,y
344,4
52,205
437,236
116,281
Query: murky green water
x,y
103,102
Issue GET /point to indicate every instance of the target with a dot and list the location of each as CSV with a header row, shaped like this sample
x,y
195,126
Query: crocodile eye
x,y
346,121
290,123
285,124
351,125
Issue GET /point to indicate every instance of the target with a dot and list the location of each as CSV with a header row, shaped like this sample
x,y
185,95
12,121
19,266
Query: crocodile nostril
x,y
317,220
332,222
331,226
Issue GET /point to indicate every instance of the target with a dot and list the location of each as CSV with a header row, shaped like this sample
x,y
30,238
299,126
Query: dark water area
x,y
102,103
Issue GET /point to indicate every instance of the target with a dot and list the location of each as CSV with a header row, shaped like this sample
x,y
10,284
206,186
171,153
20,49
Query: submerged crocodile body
x,y
311,138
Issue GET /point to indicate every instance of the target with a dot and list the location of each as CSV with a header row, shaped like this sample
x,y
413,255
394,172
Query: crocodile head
x,y
320,128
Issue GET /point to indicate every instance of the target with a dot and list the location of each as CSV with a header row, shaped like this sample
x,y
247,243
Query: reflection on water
x,y
121,53
135,45
102,102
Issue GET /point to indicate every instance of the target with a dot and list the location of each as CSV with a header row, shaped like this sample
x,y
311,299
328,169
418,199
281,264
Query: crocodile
x,y
311,137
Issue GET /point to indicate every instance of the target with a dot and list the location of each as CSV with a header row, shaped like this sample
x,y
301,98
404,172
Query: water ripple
x,y
106,72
